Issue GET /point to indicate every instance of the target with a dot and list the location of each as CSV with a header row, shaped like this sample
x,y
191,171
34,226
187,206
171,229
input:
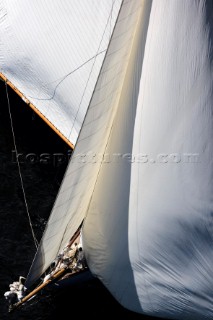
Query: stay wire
x,y
109,21
19,169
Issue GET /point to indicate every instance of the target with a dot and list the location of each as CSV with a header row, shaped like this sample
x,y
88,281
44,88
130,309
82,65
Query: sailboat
x,y
139,182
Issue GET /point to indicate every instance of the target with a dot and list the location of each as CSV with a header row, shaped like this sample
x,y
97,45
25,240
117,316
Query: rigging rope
x,y
109,20
19,169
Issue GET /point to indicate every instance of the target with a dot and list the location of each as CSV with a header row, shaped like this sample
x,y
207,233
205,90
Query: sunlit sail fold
x,y
74,196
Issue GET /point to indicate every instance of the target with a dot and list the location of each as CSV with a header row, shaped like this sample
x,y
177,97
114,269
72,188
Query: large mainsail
x,y
75,193
148,232
52,51
141,172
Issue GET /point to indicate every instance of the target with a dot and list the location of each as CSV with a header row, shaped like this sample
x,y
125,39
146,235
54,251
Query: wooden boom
x,y
35,110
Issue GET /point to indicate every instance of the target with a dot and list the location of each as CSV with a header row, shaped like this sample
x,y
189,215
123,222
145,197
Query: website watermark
x,y
57,159
138,158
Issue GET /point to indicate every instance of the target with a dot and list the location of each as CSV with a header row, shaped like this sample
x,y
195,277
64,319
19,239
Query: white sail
x,y
141,173
52,51
75,193
148,232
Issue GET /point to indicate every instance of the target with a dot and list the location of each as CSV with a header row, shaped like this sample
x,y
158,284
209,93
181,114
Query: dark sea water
x,y
42,175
